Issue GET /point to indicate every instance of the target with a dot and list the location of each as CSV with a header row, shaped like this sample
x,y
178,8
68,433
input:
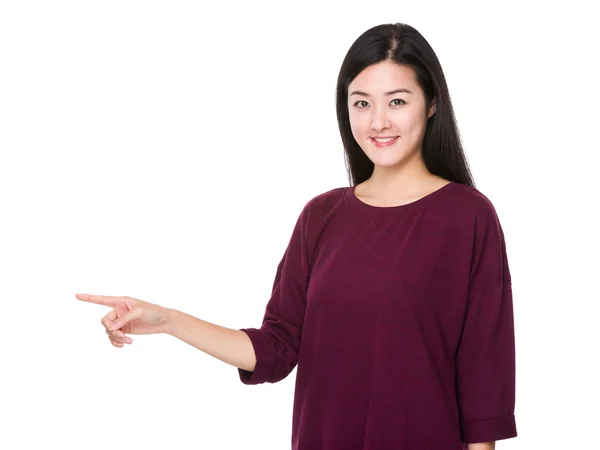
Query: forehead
x,y
383,77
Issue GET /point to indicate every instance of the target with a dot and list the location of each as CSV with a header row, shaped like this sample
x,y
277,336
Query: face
x,y
385,101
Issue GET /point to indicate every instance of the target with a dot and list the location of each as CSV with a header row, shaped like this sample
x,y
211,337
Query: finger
x,y
115,343
119,336
125,319
108,319
124,340
105,300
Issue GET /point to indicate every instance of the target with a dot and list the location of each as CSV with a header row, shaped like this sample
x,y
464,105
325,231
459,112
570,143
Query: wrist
x,y
170,321
482,446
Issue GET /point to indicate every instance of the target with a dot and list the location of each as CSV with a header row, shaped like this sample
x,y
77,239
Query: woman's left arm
x,y
482,446
485,357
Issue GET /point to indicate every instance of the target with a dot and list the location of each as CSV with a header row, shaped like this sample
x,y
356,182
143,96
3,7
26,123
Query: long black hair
x,y
400,43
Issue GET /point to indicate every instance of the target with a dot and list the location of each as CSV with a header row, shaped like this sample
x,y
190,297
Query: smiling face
x,y
385,101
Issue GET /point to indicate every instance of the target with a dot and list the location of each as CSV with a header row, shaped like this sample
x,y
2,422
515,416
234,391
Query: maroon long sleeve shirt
x,y
399,320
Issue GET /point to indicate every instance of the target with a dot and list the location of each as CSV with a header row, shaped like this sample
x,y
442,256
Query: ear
x,y
432,109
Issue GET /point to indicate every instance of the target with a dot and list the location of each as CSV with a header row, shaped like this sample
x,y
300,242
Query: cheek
x,y
405,122
356,126
410,123
359,123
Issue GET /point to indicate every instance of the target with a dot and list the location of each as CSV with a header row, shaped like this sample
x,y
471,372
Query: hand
x,y
129,315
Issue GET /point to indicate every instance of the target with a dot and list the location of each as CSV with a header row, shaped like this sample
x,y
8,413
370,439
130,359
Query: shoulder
x,y
467,204
318,211
477,215
325,203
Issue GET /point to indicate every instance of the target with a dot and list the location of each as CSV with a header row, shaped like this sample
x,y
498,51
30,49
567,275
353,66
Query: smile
x,y
381,142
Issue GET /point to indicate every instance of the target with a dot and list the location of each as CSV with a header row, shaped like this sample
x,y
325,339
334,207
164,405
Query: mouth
x,y
384,141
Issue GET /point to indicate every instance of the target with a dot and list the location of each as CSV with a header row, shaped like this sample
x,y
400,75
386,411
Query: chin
x,y
393,157
390,161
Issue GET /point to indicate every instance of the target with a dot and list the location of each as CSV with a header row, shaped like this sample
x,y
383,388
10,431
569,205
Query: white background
x,y
163,150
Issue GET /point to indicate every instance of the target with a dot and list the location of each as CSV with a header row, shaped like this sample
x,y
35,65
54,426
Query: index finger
x,y
105,300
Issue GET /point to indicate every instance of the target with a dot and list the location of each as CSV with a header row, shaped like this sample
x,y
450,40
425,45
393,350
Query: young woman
x,y
393,297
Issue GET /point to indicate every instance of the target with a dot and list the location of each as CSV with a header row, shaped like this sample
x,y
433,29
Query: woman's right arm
x,y
135,316
265,354
226,344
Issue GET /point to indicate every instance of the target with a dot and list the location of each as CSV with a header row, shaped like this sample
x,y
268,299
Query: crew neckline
x,y
394,211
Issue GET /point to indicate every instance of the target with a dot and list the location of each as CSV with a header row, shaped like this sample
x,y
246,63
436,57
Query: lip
x,y
384,144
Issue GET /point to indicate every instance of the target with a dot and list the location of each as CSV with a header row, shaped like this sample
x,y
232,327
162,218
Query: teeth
x,y
384,140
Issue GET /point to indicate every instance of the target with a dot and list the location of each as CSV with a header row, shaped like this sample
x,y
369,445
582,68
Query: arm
x,y
485,357
228,345
277,342
268,353
482,446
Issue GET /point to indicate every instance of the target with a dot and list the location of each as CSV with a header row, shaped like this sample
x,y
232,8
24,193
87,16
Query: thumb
x,y
125,319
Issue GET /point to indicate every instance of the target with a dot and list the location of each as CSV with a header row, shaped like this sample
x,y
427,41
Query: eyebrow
x,y
395,91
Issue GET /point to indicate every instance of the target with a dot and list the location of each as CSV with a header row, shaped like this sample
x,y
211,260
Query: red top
x,y
400,321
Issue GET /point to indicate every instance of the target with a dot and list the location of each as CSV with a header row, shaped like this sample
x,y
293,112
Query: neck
x,y
412,177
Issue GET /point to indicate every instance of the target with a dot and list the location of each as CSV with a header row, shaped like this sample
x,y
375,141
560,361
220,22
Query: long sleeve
x,y
277,342
485,359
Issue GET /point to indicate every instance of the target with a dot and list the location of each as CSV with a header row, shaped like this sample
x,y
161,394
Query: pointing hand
x,y
129,315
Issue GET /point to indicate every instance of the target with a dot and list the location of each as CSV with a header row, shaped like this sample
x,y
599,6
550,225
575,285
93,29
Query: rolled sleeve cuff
x,y
264,361
488,430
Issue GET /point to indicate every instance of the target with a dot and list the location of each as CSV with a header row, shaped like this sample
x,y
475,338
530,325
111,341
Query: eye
x,y
363,104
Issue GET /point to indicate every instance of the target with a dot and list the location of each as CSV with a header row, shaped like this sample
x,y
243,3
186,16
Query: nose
x,y
380,120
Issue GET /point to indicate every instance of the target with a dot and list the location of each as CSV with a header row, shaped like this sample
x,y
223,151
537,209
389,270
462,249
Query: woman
x,y
393,297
